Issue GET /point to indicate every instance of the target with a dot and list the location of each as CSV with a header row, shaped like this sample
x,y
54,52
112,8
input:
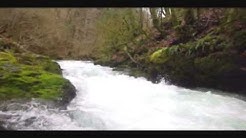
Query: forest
x,y
188,47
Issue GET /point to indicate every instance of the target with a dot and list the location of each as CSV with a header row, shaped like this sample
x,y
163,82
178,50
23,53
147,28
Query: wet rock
x,y
69,92
29,121
14,104
1,127
4,117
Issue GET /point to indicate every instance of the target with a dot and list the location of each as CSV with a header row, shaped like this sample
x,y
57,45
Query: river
x,y
112,100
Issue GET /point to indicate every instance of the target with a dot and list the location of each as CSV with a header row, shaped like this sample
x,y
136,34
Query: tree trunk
x,y
155,20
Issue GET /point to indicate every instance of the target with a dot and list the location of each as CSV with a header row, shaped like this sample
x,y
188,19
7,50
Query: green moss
x,y
201,47
31,82
41,61
26,75
7,57
160,56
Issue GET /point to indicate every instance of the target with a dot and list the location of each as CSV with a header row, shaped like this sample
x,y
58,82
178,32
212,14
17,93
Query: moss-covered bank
x,y
25,75
207,50
210,62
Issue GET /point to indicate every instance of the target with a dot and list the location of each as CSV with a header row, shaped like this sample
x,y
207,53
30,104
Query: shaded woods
x,y
56,32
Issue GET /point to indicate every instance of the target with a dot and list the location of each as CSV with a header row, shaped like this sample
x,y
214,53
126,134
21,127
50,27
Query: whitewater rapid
x,y
112,100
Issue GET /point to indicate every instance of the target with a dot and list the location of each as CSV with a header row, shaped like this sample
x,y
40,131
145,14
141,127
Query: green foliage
x,y
201,47
215,64
188,16
208,44
7,57
155,19
233,14
184,32
239,40
160,56
116,28
174,18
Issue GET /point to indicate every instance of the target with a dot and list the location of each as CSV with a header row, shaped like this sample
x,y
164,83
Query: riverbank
x,y
206,52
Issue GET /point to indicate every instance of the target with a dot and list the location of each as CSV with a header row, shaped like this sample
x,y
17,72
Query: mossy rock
x,y
7,57
160,56
27,75
19,80
37,60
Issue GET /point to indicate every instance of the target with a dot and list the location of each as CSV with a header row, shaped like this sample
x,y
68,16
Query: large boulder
x,y
25,75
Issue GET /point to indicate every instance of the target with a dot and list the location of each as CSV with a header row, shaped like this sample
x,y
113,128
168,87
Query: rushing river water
x,y
111,100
